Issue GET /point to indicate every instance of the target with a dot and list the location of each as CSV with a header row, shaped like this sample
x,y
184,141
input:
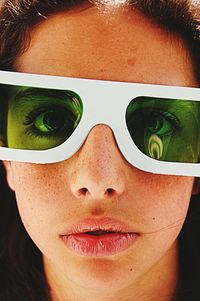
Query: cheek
x,y
40,194
161,200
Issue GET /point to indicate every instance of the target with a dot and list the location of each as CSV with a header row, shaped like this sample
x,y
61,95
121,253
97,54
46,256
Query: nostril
x,y
83,191
107,192
110,192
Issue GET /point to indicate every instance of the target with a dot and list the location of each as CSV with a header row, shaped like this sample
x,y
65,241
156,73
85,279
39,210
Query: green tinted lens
x,y
38,119
165,129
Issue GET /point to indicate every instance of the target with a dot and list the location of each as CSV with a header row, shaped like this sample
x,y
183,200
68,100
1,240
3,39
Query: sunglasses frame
x,y
99,98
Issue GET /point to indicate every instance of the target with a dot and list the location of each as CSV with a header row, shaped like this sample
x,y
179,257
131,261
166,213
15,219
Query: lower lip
x,y
102,245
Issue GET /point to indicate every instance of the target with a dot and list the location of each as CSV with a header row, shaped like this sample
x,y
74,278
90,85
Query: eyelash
x,y
171,118
175,122
33,133
29,117
31,130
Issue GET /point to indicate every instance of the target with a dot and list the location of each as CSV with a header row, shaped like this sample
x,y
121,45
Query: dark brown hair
x,y
21,269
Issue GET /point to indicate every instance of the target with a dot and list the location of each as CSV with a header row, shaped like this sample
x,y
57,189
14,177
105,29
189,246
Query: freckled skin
x,y
132,61
51,197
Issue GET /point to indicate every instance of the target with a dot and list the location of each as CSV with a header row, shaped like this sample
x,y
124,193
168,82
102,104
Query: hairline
x,y
174,37
144,6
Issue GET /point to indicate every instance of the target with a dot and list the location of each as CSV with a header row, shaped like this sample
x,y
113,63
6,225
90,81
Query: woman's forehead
x,y
124,46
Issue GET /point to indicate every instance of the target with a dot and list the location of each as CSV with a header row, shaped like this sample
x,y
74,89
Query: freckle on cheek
x,y
131,61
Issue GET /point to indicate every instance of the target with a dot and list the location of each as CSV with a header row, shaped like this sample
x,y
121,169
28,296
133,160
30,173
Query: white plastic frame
x,y
99,98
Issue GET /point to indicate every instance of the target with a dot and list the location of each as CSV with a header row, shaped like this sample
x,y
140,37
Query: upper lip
x,y
103,224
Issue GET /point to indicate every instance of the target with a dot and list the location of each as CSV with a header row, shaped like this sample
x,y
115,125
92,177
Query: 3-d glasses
x,y
46,119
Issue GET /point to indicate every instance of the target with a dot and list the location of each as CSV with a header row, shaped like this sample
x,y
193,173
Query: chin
x,y
103,274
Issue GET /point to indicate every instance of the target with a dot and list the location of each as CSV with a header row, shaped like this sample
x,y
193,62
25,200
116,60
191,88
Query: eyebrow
x,y
37,94
32,91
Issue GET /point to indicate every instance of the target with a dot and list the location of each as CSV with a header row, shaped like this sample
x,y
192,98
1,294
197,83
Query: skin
x,y
50,197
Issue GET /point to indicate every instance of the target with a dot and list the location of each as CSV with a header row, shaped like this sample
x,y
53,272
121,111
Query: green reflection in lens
x,y
165,129
3,114
40,119
155,147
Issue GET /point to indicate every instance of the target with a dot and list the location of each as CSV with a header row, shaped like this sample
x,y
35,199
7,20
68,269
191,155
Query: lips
x,y
103,237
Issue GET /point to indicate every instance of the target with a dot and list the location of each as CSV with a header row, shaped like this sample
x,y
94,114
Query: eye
x,y
159,124
152,130
45,118
164,129
51,121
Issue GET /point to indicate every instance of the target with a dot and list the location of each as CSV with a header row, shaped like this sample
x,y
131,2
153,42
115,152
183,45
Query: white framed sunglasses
x,y
46,119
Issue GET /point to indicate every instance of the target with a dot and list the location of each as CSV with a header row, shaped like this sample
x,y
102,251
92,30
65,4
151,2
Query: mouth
x,y
99,232
103,237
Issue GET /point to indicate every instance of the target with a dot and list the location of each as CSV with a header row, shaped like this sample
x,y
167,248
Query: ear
x,y
9,174
196,186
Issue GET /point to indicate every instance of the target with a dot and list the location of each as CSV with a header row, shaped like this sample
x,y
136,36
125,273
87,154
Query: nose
x,y
98,172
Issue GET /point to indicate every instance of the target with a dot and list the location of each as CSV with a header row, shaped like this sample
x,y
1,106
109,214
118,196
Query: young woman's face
x,y
97,186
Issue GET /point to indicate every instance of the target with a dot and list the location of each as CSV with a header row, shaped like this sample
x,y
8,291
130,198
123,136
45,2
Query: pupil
x,y
53,121
155,123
